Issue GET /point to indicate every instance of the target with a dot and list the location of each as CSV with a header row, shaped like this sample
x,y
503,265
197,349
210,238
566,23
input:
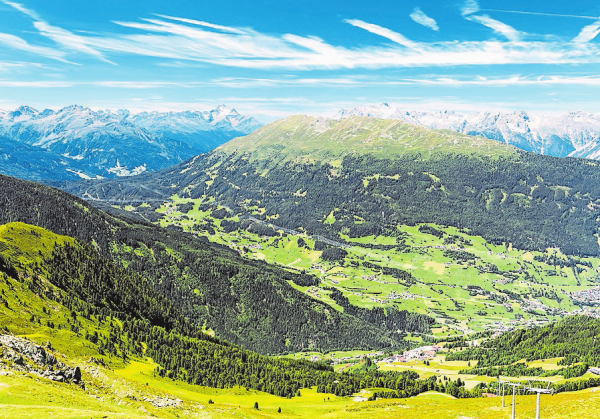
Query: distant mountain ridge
x,y
78,142
574,134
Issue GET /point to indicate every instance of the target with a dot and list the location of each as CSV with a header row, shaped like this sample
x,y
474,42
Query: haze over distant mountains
x,y
77,142
575,134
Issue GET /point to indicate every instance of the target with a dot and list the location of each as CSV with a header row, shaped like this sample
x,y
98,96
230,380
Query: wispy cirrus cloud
x,y
588,32
470,7
515,80
500,28
19,65
421,18
247,48
384,32
181,40
369,80
18,43
244,82
62,37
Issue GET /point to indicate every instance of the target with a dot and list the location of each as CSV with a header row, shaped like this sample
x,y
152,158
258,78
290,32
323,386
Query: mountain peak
x,y
300,136
25,110
572,134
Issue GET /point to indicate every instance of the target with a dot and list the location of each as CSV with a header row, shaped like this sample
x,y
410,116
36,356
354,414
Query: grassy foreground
x,y
24,397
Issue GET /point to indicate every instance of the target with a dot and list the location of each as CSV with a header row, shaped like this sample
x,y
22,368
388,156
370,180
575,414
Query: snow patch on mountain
x,y
574,134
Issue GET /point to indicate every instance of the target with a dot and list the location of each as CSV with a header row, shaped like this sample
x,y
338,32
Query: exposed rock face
x,y
26,356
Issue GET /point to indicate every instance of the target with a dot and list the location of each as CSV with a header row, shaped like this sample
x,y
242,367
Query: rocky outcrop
x,y
25,356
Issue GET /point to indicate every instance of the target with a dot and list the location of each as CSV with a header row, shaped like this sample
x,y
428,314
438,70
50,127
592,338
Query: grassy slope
x,y
306,138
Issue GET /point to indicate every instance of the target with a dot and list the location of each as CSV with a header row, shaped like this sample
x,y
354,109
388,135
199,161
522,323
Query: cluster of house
x,y
345,359
591,295
500,255
587,311
395,296
503,281
537,305
378,300
418,354
408,296
313,291
499,328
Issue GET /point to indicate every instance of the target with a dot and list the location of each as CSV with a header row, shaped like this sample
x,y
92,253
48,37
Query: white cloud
x,y
514,80
588,32
36,84
422,19
386,33
205,24
19,65
61,36
181,41
499,27
246,48
469,7
242,82
17,43
472,6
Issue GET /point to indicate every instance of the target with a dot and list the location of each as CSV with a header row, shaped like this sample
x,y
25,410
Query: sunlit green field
x,y
30,398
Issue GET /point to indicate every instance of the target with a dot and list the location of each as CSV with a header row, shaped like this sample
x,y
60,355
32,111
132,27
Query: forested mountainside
x,y
64,284
371,175
78,142
572,340
244,302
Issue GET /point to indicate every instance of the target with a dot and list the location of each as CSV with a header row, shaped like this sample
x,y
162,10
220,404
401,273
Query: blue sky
x,y
275,58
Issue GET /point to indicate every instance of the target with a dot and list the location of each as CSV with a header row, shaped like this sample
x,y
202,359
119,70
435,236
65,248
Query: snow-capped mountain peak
x,y
572,134
142,141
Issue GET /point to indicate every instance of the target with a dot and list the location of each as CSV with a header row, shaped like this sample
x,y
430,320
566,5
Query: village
x,y
421,353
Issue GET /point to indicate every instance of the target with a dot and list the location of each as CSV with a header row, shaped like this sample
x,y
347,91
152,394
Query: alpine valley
x,y
313,268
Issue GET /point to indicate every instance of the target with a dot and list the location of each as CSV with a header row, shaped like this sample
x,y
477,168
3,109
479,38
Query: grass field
x,y
22,397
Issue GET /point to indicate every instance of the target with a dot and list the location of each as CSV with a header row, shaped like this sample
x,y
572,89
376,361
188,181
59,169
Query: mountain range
x,y
78,142
575,134
372,175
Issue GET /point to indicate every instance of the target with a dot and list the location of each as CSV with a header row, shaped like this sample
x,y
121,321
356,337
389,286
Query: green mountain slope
x,y
465,282
303,138
244,302
64,284
572,341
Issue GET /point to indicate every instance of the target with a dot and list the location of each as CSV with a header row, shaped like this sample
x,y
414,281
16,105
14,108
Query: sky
x,y
273,58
